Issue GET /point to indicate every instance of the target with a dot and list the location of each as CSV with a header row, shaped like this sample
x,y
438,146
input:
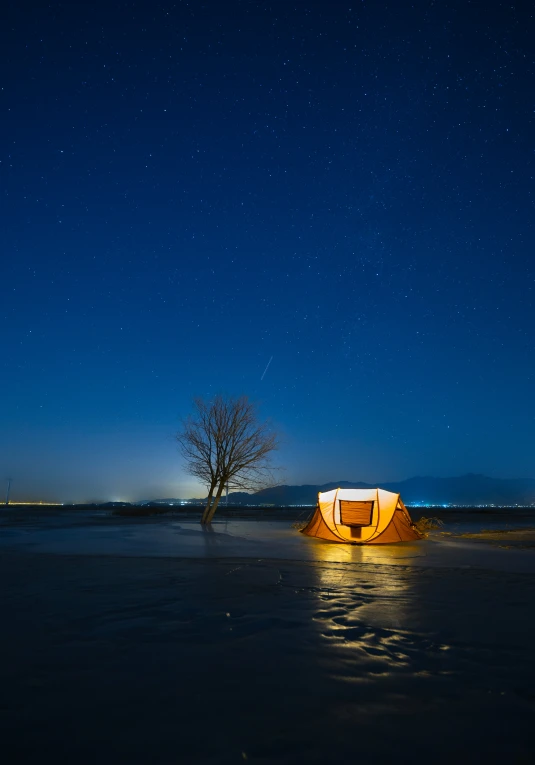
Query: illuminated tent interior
x,y
361,516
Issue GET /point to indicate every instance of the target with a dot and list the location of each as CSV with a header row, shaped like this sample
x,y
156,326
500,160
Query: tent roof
x,y
355,495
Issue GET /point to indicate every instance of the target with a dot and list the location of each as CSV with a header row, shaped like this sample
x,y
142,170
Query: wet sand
x,y
519,538
135,658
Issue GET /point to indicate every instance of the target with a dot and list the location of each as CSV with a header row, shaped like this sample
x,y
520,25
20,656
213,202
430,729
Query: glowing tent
x,y
361,516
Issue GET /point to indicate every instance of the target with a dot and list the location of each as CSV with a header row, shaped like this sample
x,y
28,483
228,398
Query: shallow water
x,y
263,540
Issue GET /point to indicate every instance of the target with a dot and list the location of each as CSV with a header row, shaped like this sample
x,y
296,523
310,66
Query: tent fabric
x,y
372,516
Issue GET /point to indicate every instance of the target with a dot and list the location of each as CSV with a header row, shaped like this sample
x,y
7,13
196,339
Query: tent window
x,y
356,513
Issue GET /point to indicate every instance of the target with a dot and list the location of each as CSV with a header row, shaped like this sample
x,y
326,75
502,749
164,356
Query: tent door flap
x,y
356,514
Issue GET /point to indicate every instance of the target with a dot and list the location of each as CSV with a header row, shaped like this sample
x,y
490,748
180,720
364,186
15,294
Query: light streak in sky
x,y
266,369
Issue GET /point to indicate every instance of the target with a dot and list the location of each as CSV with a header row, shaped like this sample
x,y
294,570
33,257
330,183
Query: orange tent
x,y
361,516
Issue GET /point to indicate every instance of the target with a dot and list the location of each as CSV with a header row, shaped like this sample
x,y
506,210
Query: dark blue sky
x,y
190,189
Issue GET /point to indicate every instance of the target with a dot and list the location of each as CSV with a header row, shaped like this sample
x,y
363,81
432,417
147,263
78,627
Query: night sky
x,y
191,189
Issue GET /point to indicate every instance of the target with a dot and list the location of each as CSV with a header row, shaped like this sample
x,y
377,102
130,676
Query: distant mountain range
x,y
470,489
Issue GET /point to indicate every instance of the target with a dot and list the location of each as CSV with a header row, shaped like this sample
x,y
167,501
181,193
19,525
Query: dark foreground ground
x,y
133,660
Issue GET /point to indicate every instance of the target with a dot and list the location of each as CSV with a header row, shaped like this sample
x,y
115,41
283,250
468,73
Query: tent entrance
x,y
356,514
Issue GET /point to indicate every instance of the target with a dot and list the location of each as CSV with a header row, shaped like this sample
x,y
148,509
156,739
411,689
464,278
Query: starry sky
x,y
192,189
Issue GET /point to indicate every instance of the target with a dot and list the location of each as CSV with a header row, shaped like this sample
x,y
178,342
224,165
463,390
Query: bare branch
x,y
224,444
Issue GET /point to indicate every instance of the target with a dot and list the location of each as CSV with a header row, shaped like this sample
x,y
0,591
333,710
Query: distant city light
x,y
52,504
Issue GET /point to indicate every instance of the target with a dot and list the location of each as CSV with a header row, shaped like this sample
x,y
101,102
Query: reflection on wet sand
x,y
385,555
367,615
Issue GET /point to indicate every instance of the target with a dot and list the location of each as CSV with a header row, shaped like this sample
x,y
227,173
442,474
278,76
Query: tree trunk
x,y
213,508
208,505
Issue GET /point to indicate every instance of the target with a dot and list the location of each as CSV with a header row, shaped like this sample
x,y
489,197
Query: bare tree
x,y
224,444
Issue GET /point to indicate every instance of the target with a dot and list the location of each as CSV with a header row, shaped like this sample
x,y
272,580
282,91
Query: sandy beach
x,y
416,655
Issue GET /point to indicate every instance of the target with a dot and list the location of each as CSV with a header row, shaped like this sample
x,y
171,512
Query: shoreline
x,y
274,542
